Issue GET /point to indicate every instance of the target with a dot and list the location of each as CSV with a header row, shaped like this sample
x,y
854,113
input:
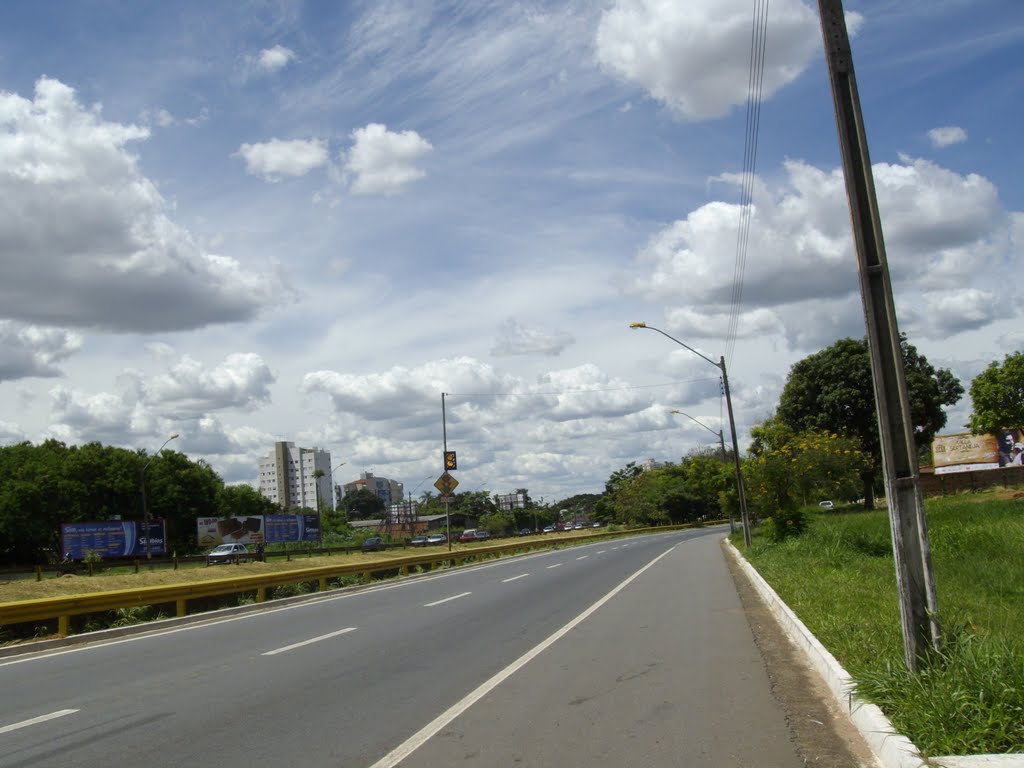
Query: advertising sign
x,y
281,528
211,531
113,538
256,529
965,452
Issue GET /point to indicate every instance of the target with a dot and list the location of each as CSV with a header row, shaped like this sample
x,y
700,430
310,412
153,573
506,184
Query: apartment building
x,y
287,477
390,491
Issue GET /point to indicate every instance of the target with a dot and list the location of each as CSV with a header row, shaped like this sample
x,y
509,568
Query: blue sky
x,y
249,222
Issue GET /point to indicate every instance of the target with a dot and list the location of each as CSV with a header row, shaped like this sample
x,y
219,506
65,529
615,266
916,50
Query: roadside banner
x,y
113,538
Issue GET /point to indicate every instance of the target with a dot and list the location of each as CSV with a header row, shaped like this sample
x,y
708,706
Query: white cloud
x,y
274,59
11,433
85,237
944,232
946,136
515,339
189,388
27,350
382,162
276,158
694,56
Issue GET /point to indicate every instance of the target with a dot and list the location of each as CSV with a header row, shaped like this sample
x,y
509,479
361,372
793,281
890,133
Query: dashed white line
x,y
453,597
520,576
37,720
556,565
583,557
601,552
418,739
311,640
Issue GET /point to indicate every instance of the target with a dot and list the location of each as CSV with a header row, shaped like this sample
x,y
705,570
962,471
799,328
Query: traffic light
x,y
449,460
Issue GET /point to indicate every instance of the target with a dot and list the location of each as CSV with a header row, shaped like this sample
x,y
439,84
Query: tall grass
x,y
839,578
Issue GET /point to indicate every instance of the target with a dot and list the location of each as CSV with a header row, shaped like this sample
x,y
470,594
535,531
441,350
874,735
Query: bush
x,y
785,523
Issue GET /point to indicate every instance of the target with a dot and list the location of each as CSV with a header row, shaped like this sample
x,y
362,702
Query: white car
x,y
228,553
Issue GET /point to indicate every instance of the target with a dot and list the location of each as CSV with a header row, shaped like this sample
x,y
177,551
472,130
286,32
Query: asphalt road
x,y
627,653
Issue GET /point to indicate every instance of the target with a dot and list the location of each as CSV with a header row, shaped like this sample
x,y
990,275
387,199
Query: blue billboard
x,y
281,528
113,538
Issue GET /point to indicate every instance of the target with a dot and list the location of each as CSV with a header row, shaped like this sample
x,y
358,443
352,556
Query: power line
x,y
758,38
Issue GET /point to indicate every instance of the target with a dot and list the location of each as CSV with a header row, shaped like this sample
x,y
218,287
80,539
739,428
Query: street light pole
x,y
142,484
721,442
732,425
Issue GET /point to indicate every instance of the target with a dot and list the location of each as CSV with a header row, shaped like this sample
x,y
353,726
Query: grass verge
x,y
839,578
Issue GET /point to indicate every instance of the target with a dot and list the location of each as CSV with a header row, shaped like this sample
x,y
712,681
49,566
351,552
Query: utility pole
x,y
911,548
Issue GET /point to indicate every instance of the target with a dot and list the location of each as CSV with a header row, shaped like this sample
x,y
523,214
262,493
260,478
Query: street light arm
x,y
677,341
151,458
709,429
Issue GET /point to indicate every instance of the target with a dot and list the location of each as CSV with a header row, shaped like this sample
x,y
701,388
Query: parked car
x,y
437,538
474,534
374,544
595,525
578,526
826,505
549,529
525,532
418,541
228,553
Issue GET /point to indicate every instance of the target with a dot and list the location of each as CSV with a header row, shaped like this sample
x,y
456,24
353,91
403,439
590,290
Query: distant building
x,y
388,491
652,464
287,477
509,501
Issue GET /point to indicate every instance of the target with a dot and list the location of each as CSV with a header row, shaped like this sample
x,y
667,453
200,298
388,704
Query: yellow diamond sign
x,y
446,484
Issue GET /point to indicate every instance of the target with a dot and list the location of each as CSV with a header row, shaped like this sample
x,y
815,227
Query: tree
x,y
243,501
832,391
997,395
362,505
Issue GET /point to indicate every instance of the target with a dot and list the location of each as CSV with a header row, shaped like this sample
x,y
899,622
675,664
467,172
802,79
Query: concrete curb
x,y
891,749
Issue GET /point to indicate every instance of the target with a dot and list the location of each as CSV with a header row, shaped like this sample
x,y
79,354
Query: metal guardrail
x,y
63,608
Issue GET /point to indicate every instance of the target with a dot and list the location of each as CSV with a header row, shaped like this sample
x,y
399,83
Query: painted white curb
x,y
892,750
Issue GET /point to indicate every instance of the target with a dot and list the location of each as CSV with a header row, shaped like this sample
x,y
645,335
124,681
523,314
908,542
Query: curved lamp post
x,y
721,442
142,484
732,424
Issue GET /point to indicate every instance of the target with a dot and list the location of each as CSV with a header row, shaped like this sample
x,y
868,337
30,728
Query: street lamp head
x,y
638,325
173,437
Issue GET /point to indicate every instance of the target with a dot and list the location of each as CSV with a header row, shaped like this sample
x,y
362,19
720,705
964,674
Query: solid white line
x,y
453,597
520,576
556,565
584,557
311,640
37,720
418,739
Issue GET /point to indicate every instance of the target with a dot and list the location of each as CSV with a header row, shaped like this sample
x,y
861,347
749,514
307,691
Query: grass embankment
x,y
839,578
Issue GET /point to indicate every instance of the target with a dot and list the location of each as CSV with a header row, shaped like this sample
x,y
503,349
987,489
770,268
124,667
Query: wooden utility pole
x,y
912,550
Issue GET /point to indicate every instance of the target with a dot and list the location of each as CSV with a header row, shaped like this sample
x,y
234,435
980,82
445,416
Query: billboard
x,y
256,529
113,538
965,452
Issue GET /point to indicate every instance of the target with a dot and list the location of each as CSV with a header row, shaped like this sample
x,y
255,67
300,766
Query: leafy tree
x,y
362,505
832,390
621,477
997,395
243,501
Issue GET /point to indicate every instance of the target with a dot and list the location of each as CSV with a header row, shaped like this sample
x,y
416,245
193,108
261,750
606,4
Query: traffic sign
x,y
447,499
446,484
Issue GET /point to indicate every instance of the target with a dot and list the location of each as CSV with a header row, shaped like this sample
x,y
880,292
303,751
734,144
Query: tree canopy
x,y
362,505
832,391
997,395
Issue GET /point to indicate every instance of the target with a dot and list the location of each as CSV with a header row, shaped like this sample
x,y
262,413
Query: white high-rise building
x,y
287,477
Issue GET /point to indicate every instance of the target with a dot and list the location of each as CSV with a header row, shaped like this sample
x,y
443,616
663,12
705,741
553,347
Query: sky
x,y
244,222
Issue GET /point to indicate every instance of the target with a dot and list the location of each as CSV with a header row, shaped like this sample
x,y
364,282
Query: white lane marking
x,y
311,640
556,565
602,551
422,736
37,720
584,557
453,597
520,576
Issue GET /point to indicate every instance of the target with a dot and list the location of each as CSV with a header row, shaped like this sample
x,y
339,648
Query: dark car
x,y
374,544
228,553
525,532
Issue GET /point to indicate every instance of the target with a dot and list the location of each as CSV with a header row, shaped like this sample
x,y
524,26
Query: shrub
x,y
785,523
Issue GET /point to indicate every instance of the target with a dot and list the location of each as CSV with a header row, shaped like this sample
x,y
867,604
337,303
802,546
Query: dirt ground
x,y
824,736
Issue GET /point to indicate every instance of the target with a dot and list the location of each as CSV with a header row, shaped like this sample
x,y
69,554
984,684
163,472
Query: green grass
x,y
840,580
